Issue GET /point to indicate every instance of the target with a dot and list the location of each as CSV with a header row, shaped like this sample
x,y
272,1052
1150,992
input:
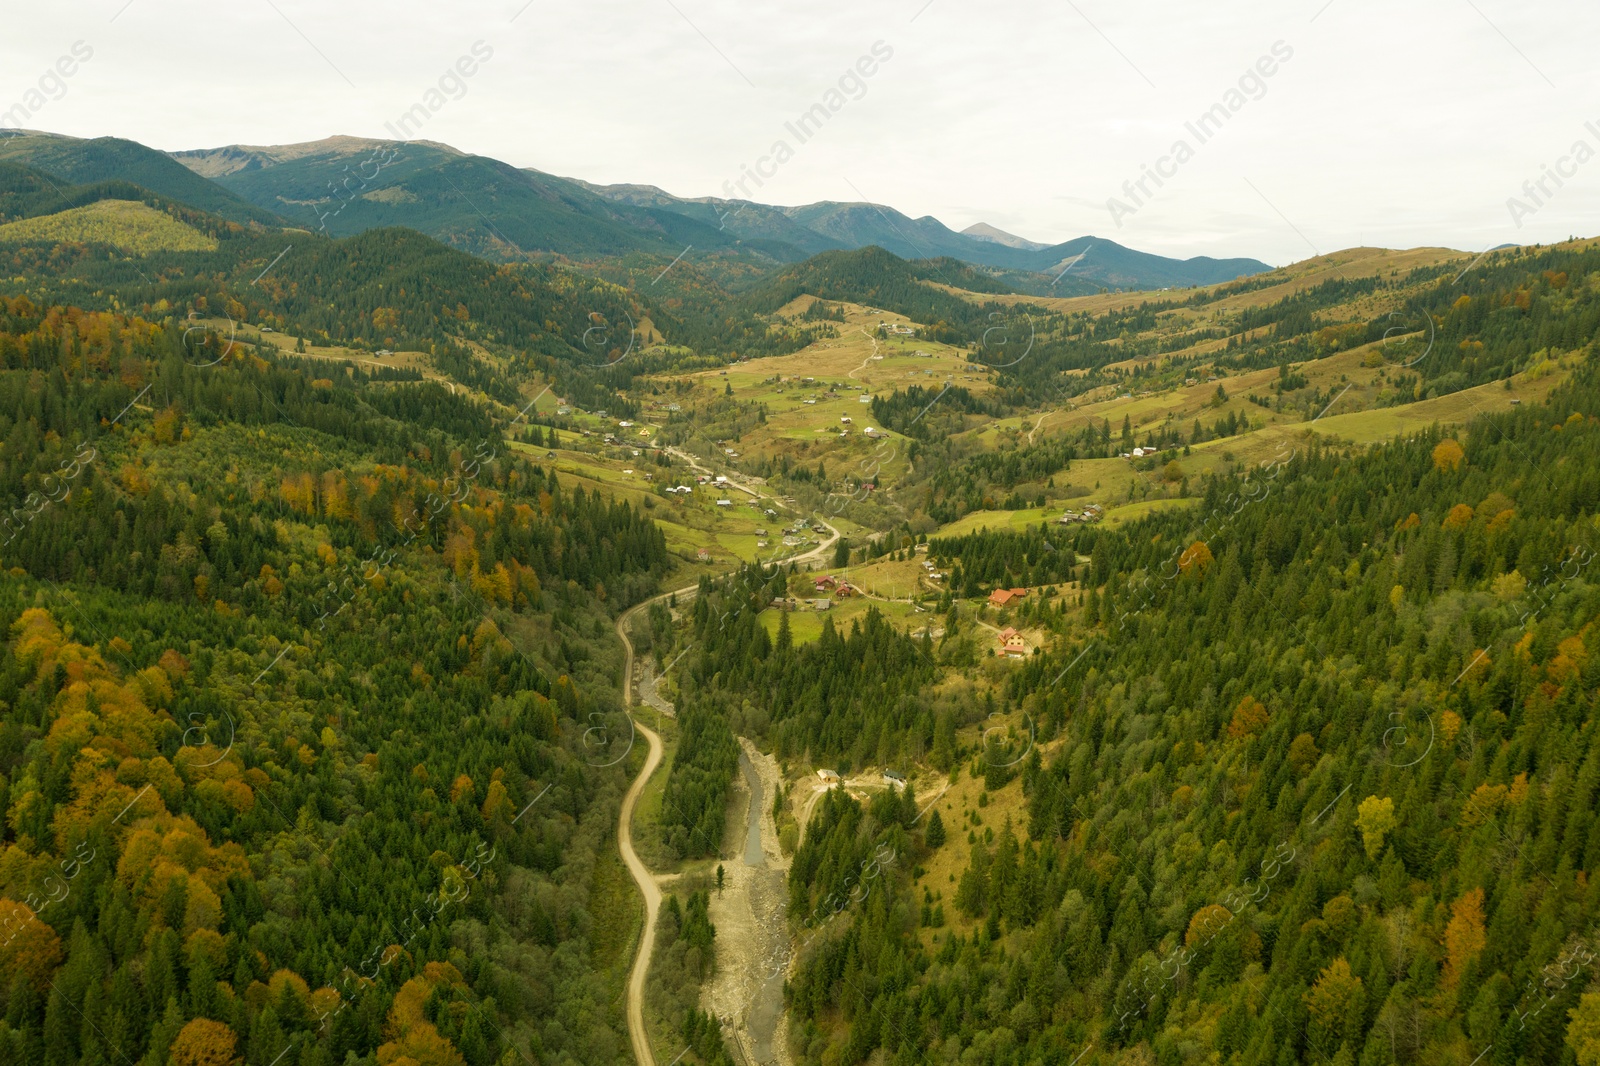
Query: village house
x,y
822,605
829,776
1012,643
894,777
824,582
1002,597
703,554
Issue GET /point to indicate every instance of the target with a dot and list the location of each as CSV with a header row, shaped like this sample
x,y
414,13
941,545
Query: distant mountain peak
x,y
985,232
232,158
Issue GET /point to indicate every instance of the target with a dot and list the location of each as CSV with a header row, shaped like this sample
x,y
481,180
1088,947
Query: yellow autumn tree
x,y
413,1040
203,1042
1448,455
1334,1004
497,806
1375,818
1583,1032
1464,937
1207,922
27,945
1196,557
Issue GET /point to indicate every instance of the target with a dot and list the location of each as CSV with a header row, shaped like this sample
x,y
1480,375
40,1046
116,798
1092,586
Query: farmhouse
x,y
1012,643
1091,513
894,777
829,776
1002,597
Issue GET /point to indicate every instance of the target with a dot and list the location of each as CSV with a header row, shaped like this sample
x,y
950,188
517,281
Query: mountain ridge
x,y
264,174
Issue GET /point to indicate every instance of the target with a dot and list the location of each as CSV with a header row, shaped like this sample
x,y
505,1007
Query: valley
x,y
464,651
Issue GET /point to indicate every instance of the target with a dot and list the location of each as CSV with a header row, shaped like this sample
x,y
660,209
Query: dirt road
x,y
648,888
649,885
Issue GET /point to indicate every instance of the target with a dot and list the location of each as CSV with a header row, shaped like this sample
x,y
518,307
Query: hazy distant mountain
x,y
985,232
1091,260
347,185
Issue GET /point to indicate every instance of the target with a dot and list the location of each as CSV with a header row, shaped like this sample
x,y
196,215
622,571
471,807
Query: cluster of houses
x,y
830,778
1138,453
897,330
1092,512
827,588
838,588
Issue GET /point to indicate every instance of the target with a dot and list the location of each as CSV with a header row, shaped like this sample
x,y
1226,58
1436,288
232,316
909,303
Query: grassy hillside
x,y
125,225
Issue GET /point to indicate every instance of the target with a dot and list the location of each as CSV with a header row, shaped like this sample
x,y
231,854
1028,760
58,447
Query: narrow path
x,y
1037,424
868,359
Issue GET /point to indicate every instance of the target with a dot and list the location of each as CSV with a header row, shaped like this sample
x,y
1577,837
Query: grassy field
x,y
805,624
126,225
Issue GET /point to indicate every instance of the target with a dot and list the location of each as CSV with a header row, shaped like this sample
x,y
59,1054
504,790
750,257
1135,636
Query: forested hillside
x,y
1320,792
309,739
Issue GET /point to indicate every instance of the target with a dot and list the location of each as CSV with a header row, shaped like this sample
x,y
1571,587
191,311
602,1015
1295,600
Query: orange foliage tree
x,y
204,1042
1464,937
1249,718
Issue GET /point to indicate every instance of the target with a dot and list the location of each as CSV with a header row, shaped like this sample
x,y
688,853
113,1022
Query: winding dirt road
x,y
648,888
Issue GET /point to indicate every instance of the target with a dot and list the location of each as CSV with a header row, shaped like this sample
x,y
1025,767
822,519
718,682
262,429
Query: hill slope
x,y
84,162
124,224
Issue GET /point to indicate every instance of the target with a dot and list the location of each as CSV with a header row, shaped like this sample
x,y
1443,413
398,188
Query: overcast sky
x,y
1399,124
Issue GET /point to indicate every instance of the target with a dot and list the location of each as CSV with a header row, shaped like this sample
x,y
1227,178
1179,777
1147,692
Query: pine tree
x,y
933,836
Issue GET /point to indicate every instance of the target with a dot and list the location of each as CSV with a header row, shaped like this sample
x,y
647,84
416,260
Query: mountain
x,y
346,185
857,225
985,232
350,184
84,162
